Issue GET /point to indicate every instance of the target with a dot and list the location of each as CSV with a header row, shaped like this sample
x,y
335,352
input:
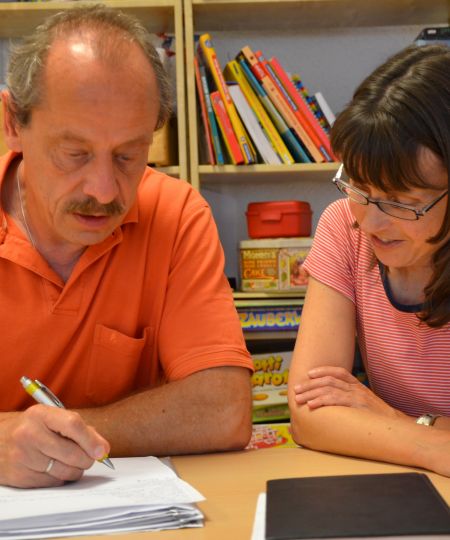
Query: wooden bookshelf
x,y
269,16
20,18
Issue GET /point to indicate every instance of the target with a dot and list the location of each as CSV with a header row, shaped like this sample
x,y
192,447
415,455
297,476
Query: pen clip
x,y
49,393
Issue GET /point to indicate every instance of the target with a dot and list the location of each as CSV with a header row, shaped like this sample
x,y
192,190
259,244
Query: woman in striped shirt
x,y
380,269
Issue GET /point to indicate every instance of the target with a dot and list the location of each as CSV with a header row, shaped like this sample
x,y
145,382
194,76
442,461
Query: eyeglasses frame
x,y
418,213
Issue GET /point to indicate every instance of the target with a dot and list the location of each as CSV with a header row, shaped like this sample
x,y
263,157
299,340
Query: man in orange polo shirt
x,y
112,286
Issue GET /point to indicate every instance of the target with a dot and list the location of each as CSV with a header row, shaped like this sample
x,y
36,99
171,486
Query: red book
x,y
201,99
302,106
226,129
283,108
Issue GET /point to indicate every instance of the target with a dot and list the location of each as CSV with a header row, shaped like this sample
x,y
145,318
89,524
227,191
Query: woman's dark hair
x,y
401,108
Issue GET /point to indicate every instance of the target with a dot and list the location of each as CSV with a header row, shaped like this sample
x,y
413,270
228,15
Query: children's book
x,y
295,148
309,121
233,71
204,114
279,102
211,60
254,128
226,129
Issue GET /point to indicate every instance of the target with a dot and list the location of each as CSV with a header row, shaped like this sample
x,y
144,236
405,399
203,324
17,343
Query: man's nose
x,y
102,182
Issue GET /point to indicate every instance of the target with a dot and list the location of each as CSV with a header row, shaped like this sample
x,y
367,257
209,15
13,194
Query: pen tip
x,y
108,463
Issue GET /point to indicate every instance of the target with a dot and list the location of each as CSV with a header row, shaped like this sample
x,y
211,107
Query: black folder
x,y
355,506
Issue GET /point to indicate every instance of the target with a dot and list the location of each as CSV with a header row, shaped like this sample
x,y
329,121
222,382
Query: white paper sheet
x,y
140,494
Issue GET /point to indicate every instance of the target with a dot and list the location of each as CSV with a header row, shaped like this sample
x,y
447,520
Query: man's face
x,y
86,147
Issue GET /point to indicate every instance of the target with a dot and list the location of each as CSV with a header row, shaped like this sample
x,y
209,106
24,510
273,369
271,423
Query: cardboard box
x,y
270,436
273,264
163,151
269,386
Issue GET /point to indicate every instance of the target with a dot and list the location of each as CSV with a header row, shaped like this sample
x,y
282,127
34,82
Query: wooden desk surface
x,y
232,481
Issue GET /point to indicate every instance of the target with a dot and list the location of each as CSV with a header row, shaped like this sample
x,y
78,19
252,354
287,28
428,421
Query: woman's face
x,y
399,243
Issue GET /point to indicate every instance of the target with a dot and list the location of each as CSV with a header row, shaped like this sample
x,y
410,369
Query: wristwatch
x,y
427,419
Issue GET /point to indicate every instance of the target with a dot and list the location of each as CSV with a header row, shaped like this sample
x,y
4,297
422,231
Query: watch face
x,y
426,419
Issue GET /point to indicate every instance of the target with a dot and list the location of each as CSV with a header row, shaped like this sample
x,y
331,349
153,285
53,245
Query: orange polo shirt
x,y
148,304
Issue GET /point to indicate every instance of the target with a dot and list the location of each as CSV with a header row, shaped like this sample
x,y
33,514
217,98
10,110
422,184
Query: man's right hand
x,y
46,446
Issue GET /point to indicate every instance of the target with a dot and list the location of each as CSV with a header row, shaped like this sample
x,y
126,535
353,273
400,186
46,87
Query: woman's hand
x,y
331,385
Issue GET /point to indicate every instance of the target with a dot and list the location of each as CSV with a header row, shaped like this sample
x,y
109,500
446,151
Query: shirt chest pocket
x,y
116,364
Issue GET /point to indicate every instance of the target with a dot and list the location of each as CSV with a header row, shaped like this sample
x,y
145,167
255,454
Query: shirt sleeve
x,y
200,327
331,259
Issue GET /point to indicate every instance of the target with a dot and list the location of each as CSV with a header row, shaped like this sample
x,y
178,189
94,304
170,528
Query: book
x,y
354,506
228,135
215,137
252,125
279,102
233,71
204,113
142,493
288,137
325,108
309,121
211,60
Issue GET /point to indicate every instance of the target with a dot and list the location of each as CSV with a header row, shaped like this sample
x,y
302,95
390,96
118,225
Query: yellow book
x,y
233,71
210,57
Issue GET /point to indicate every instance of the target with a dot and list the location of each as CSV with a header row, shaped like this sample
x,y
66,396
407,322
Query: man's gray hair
x,y
111,28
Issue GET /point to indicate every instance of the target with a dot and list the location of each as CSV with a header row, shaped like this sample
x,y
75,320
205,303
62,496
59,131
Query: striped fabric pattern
x,y
407,362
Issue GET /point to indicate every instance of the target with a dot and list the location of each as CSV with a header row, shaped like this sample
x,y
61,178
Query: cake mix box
x,y
273,264
269,386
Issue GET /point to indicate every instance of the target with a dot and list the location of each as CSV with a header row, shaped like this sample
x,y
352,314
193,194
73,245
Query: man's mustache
x,y
90,206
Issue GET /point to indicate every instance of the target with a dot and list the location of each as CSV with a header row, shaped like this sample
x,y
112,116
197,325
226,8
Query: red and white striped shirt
x,y
407,362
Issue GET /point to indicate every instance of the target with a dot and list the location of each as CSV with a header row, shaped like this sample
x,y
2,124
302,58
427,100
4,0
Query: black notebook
x,y
355,506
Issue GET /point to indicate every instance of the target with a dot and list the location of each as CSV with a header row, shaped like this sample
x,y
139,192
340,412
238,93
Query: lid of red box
x,y
278,206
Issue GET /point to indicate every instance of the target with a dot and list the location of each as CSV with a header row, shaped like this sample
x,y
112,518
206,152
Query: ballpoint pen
x,y
40,393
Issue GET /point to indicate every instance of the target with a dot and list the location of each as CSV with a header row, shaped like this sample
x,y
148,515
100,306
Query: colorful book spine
x,y
325,108
234,72
317,133
304,94
204,114
288,137
279,102
248,117
212,62
220,158
226,129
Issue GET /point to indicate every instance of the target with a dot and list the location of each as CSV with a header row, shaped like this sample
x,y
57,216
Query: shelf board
x,y
210,15
217,174
270,336
21,18
240,295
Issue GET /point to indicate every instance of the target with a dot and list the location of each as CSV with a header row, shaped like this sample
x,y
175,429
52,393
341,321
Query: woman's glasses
x,y
391,208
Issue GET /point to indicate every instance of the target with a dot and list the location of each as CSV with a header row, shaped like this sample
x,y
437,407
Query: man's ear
x,y
10,128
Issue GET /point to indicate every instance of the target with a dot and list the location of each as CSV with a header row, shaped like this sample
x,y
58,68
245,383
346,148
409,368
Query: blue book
x,y
293,144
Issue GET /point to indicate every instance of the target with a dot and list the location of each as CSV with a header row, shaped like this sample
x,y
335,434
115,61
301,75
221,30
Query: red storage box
x,y
277,219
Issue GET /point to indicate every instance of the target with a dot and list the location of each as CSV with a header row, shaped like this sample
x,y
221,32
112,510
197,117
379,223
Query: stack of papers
x,y
141,494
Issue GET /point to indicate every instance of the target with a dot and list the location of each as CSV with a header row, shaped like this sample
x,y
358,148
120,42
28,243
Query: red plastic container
x,y
277,219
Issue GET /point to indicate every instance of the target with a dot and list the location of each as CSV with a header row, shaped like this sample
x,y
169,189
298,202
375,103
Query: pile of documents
x,y
141,494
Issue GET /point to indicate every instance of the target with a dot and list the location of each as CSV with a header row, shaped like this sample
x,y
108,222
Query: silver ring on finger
x,y
49,466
